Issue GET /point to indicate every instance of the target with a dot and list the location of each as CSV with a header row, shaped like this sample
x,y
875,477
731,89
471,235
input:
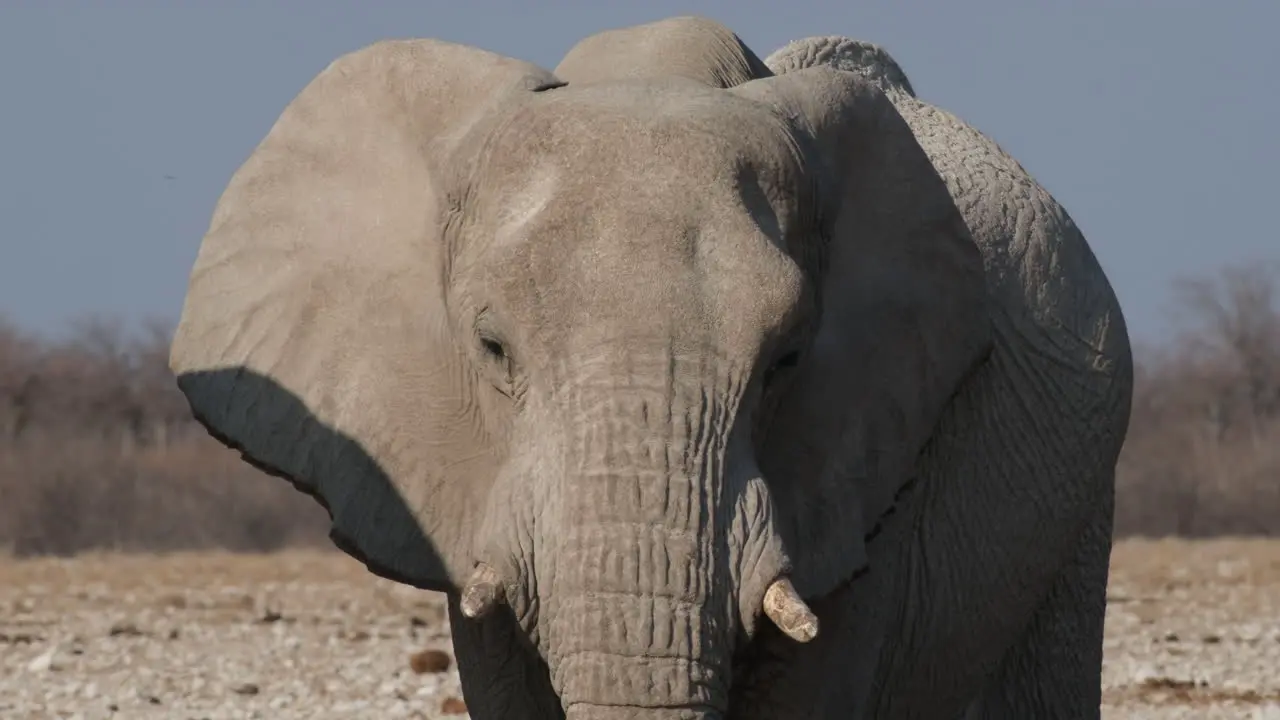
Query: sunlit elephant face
x,y
547,345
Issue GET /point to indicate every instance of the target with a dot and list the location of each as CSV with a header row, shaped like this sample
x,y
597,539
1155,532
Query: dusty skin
x,y
1193,631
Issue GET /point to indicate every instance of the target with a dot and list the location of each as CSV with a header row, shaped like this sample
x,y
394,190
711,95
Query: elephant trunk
x,y
644,591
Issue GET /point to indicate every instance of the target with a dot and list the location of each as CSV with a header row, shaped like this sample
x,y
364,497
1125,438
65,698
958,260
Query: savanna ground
x,y
1193,631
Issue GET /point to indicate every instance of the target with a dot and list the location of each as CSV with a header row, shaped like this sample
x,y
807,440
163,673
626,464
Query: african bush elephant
x,y
690,384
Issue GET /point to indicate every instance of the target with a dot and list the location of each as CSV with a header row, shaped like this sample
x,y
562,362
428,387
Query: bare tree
x,y
19,361
167,414
100,451
1203,453
1233,321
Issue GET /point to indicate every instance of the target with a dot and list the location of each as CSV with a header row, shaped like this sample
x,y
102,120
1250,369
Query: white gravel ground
x,y
1193,632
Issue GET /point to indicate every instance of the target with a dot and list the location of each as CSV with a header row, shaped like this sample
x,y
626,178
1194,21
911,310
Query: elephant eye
x,y
789,360
501,369
493,348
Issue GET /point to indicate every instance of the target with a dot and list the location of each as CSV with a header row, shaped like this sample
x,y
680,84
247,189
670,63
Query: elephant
x,y
702,386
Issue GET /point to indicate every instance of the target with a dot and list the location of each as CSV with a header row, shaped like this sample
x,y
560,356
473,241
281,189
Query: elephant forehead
x,y
631,145
621,206
649,168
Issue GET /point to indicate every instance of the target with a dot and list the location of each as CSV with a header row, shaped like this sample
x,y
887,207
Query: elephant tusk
x,y
482,592
792,616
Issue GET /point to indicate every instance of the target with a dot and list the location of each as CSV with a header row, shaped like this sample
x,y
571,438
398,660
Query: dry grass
x,y
1193,631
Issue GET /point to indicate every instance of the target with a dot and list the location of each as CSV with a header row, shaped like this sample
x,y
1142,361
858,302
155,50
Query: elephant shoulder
x,y
1012,217
1048,289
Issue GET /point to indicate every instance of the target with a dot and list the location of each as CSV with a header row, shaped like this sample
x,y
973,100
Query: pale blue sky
x,y
1153,122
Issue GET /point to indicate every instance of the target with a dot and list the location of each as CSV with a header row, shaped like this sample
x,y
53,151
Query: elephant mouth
x,y
900,496
485,590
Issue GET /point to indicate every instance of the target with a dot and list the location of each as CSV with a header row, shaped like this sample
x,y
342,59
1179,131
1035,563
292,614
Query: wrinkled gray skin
x,y
639,337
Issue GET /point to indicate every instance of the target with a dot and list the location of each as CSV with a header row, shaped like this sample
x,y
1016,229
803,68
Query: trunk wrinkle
x,y
653,537
639,618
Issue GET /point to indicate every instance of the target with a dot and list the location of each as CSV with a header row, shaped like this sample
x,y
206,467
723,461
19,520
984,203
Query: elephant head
x,y
610,356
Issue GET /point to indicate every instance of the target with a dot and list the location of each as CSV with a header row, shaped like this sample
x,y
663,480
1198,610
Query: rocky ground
x,y
1193,632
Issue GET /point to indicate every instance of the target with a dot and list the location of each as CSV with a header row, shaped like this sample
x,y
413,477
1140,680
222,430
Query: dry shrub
x,y
1203,452
68,495
98,449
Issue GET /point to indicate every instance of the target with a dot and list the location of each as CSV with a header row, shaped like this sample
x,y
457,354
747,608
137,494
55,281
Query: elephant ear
x,y
314,337
903,319
689,46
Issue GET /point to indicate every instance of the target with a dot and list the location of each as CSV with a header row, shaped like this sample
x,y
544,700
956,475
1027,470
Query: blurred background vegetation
x,y
98,449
